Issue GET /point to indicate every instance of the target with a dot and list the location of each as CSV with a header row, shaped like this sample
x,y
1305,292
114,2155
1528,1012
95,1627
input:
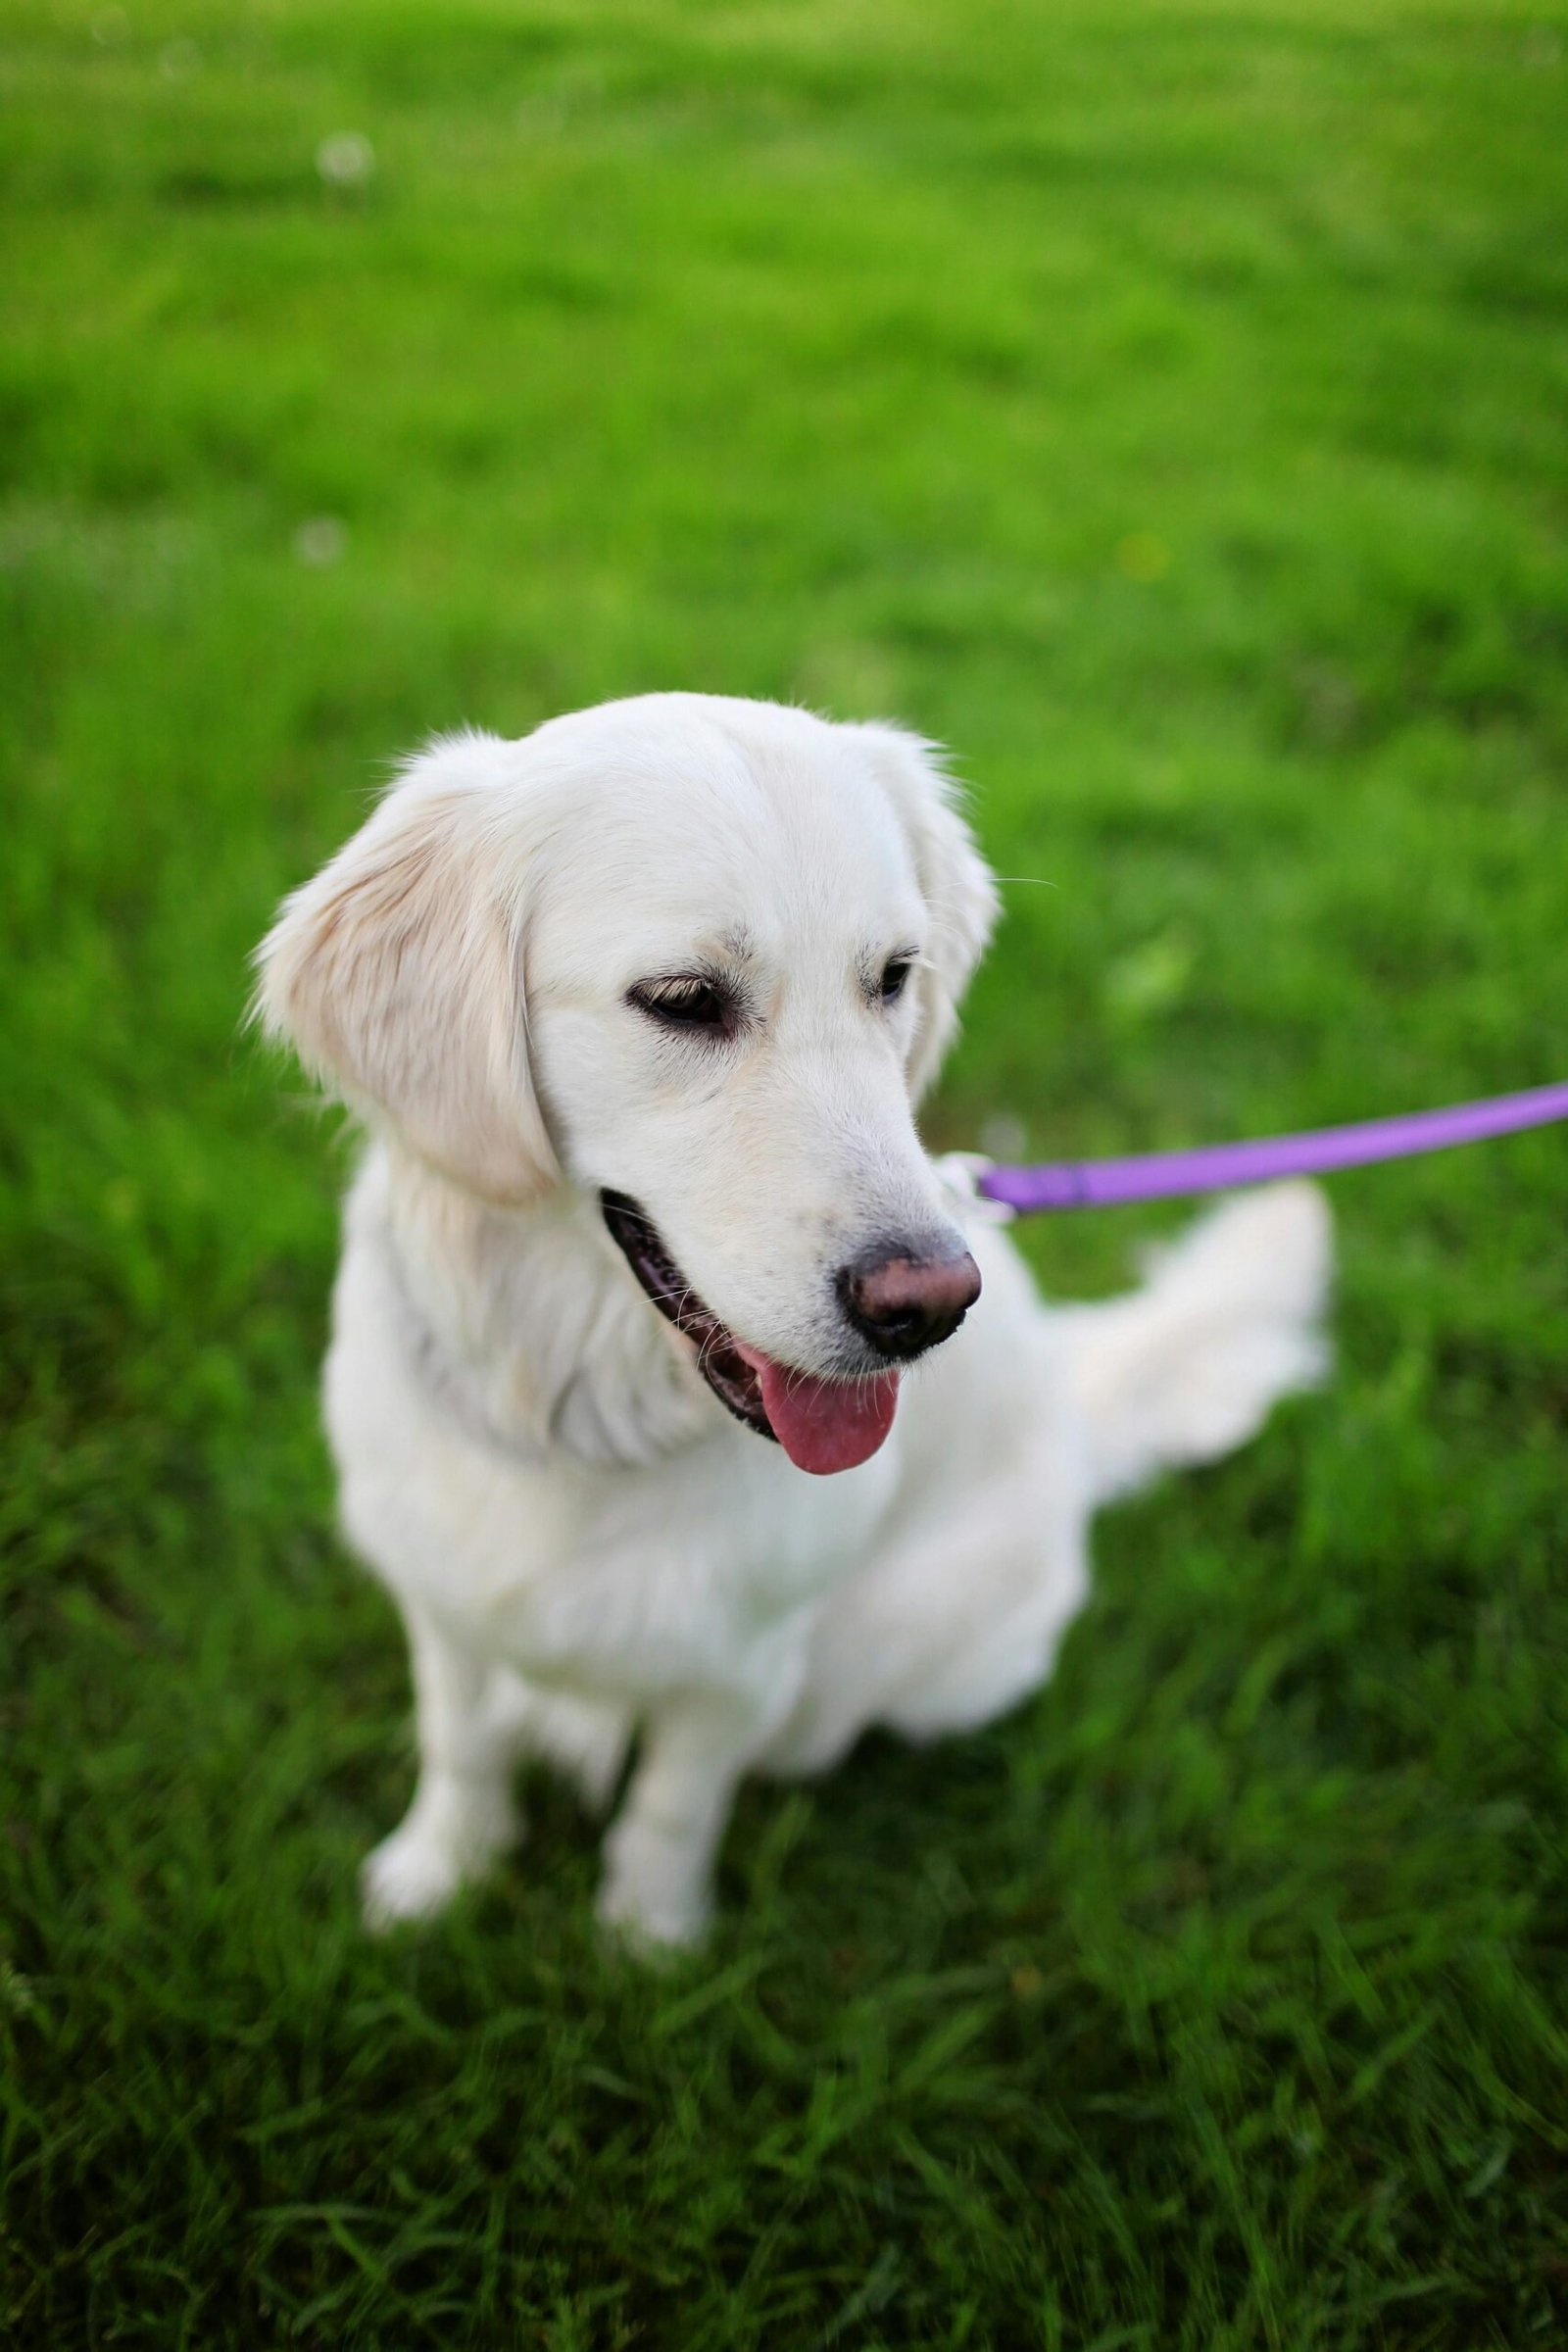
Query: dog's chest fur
x,y
499,1392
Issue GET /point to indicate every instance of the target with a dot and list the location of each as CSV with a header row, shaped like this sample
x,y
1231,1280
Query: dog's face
x,y
698,958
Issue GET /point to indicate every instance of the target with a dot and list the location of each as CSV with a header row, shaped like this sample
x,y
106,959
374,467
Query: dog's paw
x,y
449,1839
407,1876
651,1930
655,1897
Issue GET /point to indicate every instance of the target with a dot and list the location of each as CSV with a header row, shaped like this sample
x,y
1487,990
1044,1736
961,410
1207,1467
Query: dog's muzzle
x,y
899,1299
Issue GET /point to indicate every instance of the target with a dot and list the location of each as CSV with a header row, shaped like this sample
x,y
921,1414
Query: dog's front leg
x,y
462,1814
658,1857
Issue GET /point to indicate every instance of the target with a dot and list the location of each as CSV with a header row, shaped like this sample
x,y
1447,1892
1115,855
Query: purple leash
x,y
1159,1175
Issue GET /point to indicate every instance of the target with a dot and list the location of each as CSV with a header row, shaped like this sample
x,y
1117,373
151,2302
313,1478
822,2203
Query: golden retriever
x,y
652,1391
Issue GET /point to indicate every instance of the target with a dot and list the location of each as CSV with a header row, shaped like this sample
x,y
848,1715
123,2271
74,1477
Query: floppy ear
x,y
955,882
397,973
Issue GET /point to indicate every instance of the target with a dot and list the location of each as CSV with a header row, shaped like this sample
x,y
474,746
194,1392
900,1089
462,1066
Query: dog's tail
x,y
1229,1321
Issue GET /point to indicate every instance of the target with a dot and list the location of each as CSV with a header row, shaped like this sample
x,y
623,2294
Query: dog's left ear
x,y
397,973
955,882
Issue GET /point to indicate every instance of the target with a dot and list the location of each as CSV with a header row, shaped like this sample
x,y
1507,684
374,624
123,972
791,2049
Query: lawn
x,y
1166,405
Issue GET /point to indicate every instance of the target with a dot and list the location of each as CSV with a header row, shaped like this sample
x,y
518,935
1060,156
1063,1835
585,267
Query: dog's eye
x,y
694,1004
895,972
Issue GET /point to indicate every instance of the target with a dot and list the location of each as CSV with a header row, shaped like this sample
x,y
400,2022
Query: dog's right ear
x,y
397,973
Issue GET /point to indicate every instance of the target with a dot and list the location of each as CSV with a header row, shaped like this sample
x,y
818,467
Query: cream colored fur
x,y
588,1553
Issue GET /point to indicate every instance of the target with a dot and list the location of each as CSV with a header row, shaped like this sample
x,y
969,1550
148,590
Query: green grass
x,y
1164,403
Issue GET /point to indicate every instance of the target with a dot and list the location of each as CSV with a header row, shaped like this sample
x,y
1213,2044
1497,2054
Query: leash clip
x,y
960,1174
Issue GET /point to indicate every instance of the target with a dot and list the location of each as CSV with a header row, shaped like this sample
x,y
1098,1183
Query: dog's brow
x,y
873,961
737,942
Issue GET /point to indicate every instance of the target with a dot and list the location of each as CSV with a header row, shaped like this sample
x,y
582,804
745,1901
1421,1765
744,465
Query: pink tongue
x,y
824,1425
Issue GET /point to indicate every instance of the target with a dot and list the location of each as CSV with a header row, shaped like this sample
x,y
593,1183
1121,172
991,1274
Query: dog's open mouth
x,y
822,1425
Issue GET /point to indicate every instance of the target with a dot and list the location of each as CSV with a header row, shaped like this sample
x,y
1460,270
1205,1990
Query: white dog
x,y
635,1011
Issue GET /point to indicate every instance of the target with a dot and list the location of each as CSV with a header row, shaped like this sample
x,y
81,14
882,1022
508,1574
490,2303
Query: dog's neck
x,y
525,1324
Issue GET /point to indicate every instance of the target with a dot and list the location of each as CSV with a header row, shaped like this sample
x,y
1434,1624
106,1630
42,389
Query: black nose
x,y
905,1300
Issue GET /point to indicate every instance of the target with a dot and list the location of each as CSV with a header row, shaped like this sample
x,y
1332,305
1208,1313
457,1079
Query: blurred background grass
x,y
1165,405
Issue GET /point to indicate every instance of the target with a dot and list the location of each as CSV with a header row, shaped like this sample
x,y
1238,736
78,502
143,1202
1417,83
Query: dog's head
x,y
699,958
